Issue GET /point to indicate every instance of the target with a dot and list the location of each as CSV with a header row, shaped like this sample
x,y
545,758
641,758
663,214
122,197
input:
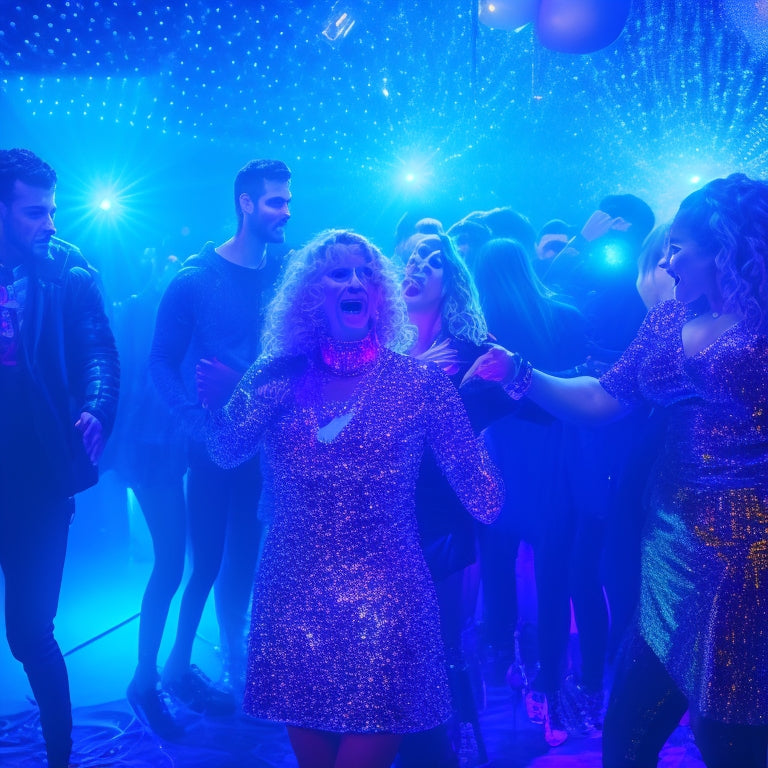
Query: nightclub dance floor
x,y
108,562
108,735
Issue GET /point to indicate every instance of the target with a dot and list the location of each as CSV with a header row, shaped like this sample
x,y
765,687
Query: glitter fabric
x,y
345,633
348,358
704,598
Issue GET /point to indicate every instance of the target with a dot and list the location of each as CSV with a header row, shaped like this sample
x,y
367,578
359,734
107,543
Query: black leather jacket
x,y
71,358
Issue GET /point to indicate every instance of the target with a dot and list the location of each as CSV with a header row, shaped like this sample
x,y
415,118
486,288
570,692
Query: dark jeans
x,y
164,508
33,543
645,707
224,534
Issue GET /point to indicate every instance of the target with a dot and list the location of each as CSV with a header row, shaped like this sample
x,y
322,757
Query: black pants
x,y
645,707
33,543
224,534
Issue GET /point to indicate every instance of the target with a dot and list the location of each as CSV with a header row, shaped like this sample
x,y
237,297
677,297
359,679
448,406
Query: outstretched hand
x,y
497,364
215,382
93,436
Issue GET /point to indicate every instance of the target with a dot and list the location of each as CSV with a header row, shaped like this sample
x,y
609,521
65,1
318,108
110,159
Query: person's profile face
x,y
690,265
423,286
27,222
270,212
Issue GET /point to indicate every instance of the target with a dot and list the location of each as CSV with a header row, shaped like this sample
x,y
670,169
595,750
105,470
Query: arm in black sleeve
x,y
91,345
173,333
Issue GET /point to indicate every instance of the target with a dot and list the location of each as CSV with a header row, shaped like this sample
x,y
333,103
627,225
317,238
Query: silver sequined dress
x,y
704,584
345,634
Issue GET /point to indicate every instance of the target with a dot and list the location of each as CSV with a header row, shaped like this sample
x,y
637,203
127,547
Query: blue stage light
x,y
414,172
114,203
107,199
612,255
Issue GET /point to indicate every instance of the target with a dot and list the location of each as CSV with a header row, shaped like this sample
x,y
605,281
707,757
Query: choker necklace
x,y
349,358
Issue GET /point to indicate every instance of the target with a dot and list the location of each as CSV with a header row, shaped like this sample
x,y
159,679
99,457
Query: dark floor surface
x,y
108,563
109,735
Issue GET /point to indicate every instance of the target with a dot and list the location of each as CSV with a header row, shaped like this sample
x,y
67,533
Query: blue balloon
x,y
751,19
580,26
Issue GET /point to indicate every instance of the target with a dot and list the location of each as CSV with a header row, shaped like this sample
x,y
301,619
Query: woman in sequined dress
x,y
345,643
700,639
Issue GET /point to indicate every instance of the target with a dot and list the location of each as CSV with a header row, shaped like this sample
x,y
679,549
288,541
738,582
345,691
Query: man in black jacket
x,y
59,379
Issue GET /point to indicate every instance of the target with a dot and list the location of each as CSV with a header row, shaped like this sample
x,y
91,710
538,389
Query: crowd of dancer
x,y
371,439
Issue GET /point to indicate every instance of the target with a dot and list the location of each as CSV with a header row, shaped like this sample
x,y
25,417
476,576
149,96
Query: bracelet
x,y
520,383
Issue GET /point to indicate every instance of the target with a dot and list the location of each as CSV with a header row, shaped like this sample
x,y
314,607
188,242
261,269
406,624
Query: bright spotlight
x,y
695,179
112,202
414,172
614,254
106,198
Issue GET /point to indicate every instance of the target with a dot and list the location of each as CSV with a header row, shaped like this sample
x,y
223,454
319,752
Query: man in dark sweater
x,y
59,379
207,334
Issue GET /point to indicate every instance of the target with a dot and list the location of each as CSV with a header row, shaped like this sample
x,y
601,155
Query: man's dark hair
x,y
25,166
251,177
632,209
475,232
507,222
428,226
556,227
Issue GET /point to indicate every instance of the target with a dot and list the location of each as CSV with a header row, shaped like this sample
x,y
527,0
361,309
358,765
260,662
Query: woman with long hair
x,y
444,308
698,641
523,314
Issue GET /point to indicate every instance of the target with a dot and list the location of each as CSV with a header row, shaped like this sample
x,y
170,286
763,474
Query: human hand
x,y
444,355
599,224
497,364
92,434
215,382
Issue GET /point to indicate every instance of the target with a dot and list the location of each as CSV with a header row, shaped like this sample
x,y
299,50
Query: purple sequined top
x,y
704,588
345,633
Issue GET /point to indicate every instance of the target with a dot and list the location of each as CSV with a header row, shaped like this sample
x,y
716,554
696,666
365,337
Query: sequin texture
x,y
704,592
345,633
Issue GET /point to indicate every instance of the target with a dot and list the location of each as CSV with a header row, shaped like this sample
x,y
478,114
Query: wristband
x,y
520,383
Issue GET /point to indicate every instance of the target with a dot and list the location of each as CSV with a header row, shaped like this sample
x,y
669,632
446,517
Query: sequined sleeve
x,y
621,379
461,456
235,432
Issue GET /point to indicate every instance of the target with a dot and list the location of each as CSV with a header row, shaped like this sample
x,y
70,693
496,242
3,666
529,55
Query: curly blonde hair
x,y
729,217
295,320
462,312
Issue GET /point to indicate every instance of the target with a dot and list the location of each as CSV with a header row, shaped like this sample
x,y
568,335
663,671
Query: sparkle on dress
x,y
704,584
345,632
